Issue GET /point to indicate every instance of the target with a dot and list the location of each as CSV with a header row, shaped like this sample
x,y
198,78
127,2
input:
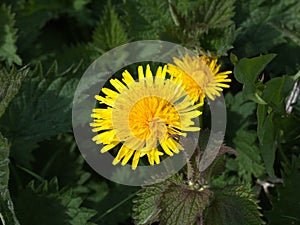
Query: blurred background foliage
x,y
45,46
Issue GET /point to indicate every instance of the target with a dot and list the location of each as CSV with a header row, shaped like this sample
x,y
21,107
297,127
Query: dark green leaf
x,y
232,205
246,71
240,114
8,36
41,109
10,83
40,203
7,214
258,21
248,163
181,205
276,92
267,139
146,206
110,32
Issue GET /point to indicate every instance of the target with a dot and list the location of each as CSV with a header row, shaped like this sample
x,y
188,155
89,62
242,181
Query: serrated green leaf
x,y
232,205
240,113
248,163
246,71
181,205
10,83
37,13
147,19
146,209
146,206
39,203
41,109
58,158
217,14
7,214
258,21
110,32
8,36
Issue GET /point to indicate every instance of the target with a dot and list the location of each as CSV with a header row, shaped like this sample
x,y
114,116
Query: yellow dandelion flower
x,y
143,114
200,76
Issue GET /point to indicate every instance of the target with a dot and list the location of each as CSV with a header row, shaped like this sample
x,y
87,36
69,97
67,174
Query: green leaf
x,y
146,206
246,71
8,36
146,20
232,205
58,157
285,210
37,13
240,114
110,32
146,209
7,214
218,40
10,83
41,110
267,136
181,205
276,92
216,14
258,21
248,163
39,203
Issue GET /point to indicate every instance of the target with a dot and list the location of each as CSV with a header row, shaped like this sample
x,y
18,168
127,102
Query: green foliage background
x,y
45,46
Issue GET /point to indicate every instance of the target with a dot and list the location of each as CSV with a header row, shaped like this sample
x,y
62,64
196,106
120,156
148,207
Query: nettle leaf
x,y
7,214
8,36
205,24
78,56
41,110
285,210
146,20
110,32
181,205
219,40
146,206
10,83
37,14
146,209
58,157
37,204
216,14
239,116
246,71
232,205
248,163
258,31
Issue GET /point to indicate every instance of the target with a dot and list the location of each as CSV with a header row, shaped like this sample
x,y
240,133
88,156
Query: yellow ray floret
x,y
200,76
142,115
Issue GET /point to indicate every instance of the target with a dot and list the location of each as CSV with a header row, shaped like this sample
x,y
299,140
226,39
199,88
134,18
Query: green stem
x,y
116,206
36,176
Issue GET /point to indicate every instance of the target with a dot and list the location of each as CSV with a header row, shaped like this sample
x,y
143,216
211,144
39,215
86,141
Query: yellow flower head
x,y
143,114
200,76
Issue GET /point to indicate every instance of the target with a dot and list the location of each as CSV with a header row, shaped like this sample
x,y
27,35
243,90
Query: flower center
x,y
150,117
